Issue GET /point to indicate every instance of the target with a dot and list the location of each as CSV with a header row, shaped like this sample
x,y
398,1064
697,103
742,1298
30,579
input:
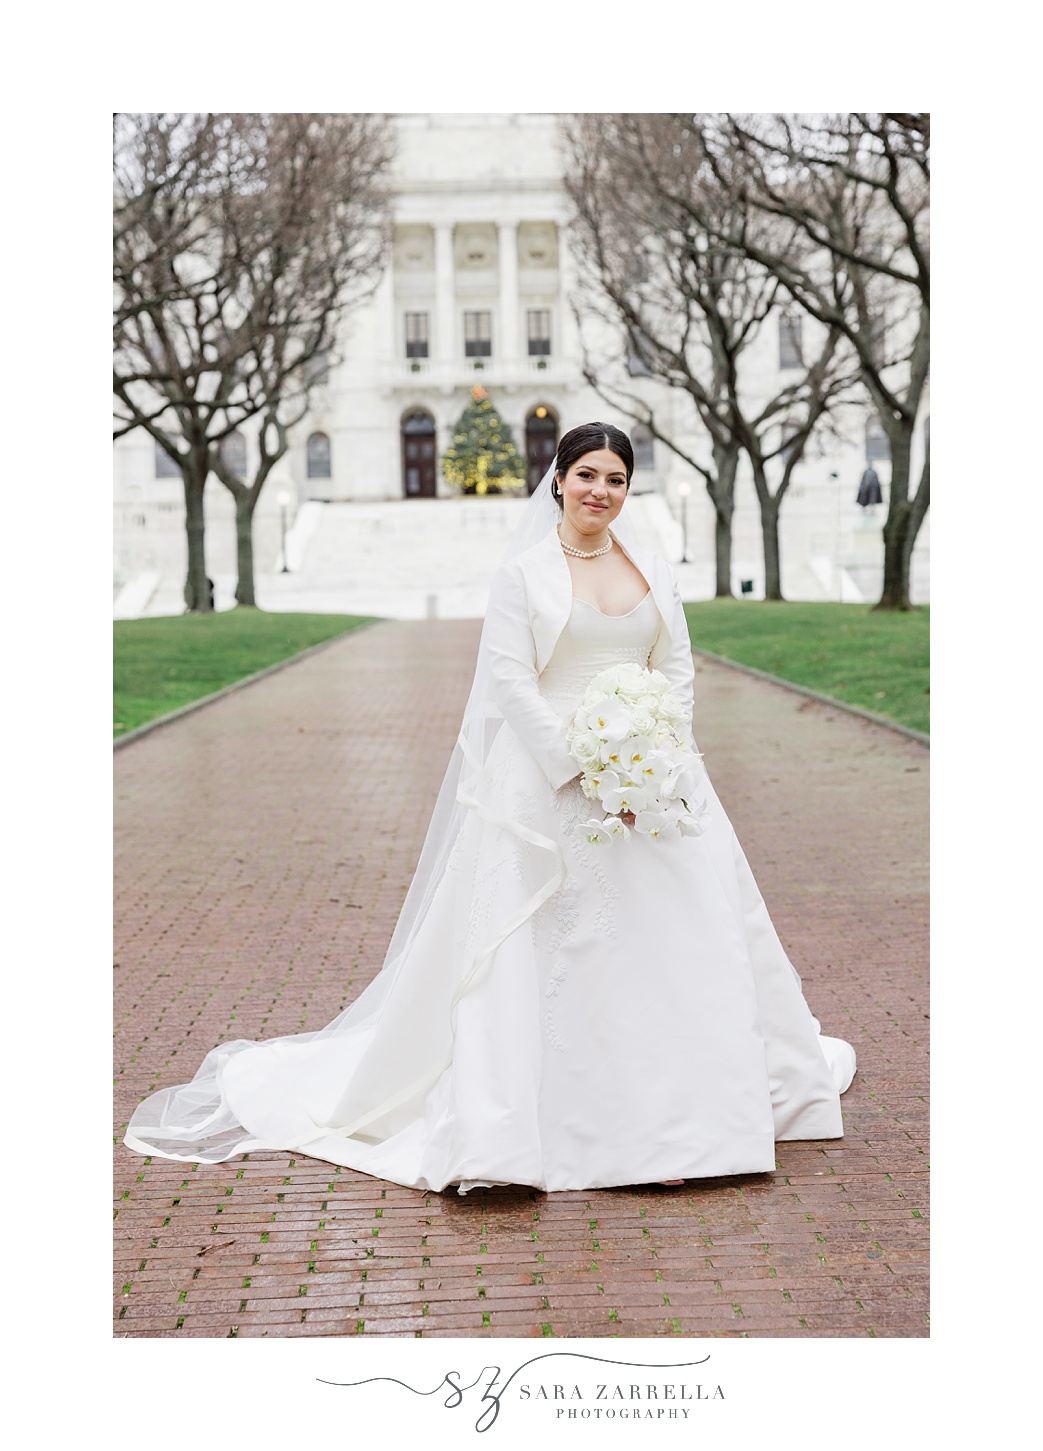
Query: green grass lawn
x,y
164,663
876,661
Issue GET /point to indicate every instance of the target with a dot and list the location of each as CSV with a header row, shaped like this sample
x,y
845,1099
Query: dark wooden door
x,y
541,444
419,457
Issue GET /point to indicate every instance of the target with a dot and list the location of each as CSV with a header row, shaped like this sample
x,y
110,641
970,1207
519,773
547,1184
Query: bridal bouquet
x,y
631,739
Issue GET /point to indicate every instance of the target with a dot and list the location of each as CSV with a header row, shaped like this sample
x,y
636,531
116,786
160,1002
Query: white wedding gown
x,y
643,1023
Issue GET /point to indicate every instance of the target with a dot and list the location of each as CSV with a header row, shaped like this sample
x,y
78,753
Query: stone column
x,y
508,343
445,294
568,334
389,348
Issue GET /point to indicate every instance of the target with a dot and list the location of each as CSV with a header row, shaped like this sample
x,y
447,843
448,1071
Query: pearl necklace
x,y
585,554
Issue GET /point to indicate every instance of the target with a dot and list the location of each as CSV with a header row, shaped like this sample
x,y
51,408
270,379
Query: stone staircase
x,y
414,558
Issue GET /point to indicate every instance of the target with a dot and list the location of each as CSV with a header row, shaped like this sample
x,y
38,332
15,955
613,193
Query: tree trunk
x,y
244,545
770,539
722,493
723,552
769,511
897,546
917,510
197,586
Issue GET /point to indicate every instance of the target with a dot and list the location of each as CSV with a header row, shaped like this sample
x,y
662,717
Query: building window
x,y
233,453
539,332
318,368
644,446
478,335
790,348
166,467
637,355
877,446
416,334
319,458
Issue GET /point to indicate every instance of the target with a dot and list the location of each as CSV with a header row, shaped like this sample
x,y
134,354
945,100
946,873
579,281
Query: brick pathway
x,y
258,881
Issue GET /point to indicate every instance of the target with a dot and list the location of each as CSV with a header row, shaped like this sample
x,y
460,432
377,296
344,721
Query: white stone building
x,y
478,291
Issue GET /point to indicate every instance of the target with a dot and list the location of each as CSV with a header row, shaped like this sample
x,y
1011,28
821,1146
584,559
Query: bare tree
x,y
856,186
229,277
179,344
651,223
317,227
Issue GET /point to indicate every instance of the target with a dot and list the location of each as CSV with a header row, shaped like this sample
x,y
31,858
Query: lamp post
x,y
282,498
684,488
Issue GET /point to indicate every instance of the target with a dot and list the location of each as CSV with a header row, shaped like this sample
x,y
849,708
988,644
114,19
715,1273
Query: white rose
x,y
586,748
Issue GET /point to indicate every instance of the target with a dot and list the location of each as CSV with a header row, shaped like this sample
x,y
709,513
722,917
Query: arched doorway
x,y
541,443
419,479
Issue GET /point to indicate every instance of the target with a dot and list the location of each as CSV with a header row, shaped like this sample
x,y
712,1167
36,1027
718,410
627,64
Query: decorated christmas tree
x,y
482,458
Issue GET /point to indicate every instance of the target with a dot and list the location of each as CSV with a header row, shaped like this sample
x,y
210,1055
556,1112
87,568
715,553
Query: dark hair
x,y
587,438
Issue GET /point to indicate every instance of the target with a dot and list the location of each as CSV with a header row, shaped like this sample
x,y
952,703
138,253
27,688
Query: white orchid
x,y
633,751
610,721
694,822
610,758
598,832
655,772
590,786
683,775
627,796
655,823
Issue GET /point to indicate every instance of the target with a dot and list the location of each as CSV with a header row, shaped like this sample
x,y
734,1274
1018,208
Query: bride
x,y
553,1010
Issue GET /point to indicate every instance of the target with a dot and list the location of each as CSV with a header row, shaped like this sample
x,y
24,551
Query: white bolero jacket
x,y
529,606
